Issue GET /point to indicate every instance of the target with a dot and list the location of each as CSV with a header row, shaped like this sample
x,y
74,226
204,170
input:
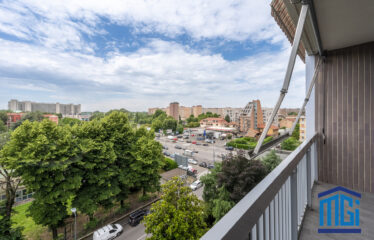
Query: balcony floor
x,y
309,230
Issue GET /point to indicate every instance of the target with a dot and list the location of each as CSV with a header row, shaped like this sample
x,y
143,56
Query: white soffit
x,y
344,23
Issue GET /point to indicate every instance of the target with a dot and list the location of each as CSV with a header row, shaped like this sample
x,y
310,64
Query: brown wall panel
x,y
344,109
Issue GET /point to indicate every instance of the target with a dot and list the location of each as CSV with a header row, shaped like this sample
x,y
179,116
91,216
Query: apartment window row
x,y
21,195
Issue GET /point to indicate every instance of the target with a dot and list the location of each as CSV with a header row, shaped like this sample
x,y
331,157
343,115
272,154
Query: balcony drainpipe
x,y
287,78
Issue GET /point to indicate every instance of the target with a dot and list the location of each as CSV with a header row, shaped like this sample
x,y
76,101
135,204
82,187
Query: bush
x,y
144,198
169,164
271,160
290,144
92,224
268,139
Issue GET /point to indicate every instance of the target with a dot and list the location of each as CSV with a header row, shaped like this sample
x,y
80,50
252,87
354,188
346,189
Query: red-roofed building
x,y
51,117
273,130
13,117
213,122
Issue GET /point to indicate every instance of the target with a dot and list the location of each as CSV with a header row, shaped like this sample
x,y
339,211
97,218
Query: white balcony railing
x,y
275,208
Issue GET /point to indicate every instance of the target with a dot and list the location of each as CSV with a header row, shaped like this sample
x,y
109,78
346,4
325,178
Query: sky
x,y
137,54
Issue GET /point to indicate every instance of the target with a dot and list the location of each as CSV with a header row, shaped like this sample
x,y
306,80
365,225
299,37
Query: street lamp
x,y
74,210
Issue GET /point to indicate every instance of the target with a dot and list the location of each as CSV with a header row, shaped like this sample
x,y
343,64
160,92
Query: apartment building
x,y
28,106
233,113
174,110
302,124
266,113
250,116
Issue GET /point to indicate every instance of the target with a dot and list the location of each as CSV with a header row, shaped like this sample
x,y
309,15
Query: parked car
x,y
195,185
172,156
198,143
186,137
183,167
178,147
195,151
166,153
107,232
203,164
205,144
210,166
188,141
229,148
181,140
137,216
179,136
192,161
194,142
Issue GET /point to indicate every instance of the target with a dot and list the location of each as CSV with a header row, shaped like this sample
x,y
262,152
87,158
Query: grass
x,y
30,229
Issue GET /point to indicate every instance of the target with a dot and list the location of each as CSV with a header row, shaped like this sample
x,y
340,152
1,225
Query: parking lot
x,y
204,153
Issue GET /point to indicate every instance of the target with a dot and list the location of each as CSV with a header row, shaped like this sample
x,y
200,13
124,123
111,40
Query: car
x,y
172,156
183,167
166,153
194,142
107,232
192,161
210,166
186,137
203,164
181,140
195,185
179,136
205,144
193,135
178,147
188,141
195,151
229,148
137,216
198,143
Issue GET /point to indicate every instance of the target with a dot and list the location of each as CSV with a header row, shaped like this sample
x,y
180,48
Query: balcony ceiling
x,y
344,23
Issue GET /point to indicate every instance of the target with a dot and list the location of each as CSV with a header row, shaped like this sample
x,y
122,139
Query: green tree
x,y
296,132
70,121
31,116
180,129
4,116
159,114
169,123
178,215
290,144
9,183
148,161
45,156
97,115
3,127
271,160
156,125
239,175
99,170
227,118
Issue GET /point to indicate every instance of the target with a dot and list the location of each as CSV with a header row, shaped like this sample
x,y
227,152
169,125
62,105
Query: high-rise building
x,y
28,106
266,113
251,116
174,110
233,113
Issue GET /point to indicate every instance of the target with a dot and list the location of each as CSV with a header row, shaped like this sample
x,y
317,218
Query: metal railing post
x,y
309,178
294,222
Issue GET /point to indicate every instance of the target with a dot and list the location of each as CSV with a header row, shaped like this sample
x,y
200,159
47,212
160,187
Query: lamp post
x,y
74,210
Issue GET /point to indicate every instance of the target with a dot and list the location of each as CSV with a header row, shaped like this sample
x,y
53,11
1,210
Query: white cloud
x,y
156,74
61,23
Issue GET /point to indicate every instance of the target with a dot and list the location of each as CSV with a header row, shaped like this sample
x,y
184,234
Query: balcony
x,y
285,204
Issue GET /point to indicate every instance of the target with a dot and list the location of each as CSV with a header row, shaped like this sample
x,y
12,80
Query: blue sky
x,y
138,54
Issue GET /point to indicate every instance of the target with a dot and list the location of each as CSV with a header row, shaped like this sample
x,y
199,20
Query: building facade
x,y
28,106
213,122
174,110
250,116
302,123
233,113
266,113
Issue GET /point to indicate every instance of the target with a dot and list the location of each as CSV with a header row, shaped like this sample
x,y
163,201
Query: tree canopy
x,y
227,118
178,215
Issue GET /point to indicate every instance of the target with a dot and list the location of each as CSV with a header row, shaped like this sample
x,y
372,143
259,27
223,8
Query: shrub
x,y
169,164
290,144
271,160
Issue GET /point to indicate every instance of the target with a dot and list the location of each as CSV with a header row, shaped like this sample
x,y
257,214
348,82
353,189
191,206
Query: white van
x,y
108,232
